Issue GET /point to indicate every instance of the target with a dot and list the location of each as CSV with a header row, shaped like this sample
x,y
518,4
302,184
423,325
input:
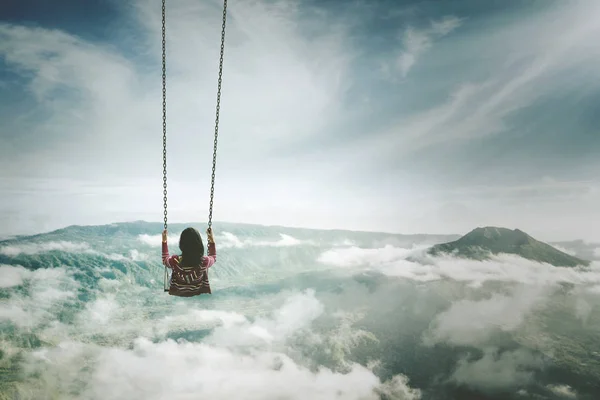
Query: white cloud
x,y
472,322
445,25
144,373
227,240
356,256
254,352
13,275
415,43
135,255
477,109
583,309
295,315
100,311
43,247
497,370
346,243
564,391
418,41
190,318
414,264
156,240
46,289
298,312
77,248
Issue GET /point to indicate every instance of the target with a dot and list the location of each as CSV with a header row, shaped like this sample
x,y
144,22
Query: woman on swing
x,y
190,270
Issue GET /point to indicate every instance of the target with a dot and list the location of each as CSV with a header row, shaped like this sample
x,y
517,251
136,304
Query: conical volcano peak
x,y
483,241
495,233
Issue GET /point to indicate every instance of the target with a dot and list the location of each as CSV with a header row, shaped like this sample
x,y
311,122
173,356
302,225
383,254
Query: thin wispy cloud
x,y
416,41
478,107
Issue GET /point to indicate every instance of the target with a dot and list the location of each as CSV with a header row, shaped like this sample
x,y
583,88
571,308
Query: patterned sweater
x,y
189,281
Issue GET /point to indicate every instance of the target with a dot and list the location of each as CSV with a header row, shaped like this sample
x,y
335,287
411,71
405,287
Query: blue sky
x,y
411,117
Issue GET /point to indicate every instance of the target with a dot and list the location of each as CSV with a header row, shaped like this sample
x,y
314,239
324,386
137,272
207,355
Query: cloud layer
x,y
345,326
250,351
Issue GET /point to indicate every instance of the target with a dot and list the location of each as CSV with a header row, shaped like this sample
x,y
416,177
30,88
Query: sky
x,y
398,116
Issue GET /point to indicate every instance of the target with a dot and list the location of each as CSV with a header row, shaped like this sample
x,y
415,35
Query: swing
x,y
164,124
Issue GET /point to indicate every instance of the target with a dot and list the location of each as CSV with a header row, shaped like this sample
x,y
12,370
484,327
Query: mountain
x,y
480,243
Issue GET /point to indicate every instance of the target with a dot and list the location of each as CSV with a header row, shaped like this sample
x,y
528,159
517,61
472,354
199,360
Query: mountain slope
x,y
481,242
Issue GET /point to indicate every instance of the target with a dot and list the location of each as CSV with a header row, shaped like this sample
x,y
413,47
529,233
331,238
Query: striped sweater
x,y
189,281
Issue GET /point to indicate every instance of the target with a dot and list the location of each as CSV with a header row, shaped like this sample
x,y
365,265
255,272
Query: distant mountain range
x,y
480,243
119,239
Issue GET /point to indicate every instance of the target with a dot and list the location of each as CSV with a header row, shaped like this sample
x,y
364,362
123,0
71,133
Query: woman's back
x,y
190,270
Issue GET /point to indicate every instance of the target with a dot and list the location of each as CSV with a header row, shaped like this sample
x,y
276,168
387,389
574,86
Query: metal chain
x,y
164,105
214,162
164,93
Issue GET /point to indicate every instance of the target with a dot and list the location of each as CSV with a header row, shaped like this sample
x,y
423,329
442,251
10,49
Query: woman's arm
x,y
168,261
211,257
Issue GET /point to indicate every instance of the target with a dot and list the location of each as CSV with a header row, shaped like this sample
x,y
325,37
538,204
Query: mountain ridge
x,y
155,228
482,242
477,244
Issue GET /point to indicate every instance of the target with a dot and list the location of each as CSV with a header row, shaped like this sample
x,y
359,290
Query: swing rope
x,y
164,104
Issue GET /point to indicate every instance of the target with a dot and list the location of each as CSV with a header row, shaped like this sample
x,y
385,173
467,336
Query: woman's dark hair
x,y
192,248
